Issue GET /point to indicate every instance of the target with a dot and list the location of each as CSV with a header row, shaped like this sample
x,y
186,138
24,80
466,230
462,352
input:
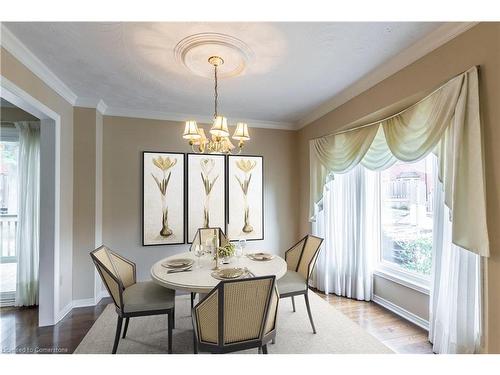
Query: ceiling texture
x,y
273,72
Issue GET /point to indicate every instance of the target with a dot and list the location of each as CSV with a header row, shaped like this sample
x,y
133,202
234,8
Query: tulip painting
x,y
164,164
206,187
246,166
207,166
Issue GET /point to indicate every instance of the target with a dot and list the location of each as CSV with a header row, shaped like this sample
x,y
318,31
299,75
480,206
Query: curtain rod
x,y
397,113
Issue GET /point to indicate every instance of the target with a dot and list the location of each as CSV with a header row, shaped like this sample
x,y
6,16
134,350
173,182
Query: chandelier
x,y
219,143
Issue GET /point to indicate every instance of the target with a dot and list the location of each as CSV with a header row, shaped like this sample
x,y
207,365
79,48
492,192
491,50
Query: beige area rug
x,y
336,333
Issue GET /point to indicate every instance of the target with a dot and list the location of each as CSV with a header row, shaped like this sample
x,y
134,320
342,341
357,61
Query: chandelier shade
x,y
219,127
241,132
191,131
220,143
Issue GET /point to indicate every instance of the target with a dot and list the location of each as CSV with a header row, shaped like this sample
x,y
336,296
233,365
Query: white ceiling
x,y
294,68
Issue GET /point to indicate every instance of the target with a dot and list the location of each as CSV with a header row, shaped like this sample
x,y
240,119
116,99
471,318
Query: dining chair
x,y
201,237
300,259
237,315
131,298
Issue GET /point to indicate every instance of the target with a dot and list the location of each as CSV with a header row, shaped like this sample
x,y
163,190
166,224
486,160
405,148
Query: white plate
x,y
261,256
178,263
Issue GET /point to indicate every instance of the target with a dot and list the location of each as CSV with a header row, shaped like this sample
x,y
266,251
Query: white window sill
x,y
400,277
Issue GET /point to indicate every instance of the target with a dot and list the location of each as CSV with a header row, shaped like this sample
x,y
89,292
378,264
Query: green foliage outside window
x,y
415,254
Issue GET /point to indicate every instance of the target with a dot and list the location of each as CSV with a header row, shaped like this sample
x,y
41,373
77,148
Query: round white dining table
x,y
200,280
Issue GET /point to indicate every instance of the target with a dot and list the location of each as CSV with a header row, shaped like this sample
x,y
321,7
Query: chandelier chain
x,y
216,94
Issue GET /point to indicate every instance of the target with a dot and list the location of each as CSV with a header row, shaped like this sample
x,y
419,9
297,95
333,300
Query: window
x,y
9,149
406,218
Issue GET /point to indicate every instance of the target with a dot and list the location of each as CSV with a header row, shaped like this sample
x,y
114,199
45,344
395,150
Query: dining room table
x,y
199,278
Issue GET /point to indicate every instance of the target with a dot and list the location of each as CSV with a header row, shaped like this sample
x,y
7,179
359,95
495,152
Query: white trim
x,y
422,47
86,102
37,67
49,261
63,312
182,117
84,302
415,319
103,294
401,280
101,107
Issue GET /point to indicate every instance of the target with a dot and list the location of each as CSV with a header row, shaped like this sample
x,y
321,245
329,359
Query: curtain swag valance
x,y
446,122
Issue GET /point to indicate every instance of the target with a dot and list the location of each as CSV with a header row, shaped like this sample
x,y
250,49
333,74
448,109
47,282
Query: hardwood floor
x,y
395,332
20,332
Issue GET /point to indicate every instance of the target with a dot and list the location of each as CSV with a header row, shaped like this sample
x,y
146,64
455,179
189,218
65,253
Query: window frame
x,y
391,271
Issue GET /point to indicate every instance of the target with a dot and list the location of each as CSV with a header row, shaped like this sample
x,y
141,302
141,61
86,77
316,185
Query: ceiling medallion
x,y
219,142
194,50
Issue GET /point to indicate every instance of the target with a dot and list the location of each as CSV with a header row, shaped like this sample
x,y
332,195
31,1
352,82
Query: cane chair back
x,y
302,256
116,272
237,312
205,236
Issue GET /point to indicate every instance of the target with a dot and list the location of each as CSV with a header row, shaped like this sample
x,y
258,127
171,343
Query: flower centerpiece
x,y
226,251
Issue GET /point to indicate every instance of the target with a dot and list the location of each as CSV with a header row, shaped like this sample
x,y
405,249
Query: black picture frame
x,y
143,234
188,184
228,203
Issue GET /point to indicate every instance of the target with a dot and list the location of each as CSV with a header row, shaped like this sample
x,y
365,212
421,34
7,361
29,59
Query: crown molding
x,y
180,117
98,104
101,107
86,102
422,47
37,67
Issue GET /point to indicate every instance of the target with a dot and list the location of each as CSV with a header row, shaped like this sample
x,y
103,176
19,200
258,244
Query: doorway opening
x,y
19,206
49,309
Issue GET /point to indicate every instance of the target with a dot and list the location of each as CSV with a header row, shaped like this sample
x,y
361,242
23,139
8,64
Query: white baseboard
x,y
103,294
415,319
63,312
85,302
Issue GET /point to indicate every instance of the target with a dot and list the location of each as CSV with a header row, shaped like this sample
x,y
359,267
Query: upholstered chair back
x,y
116,272
302,256
238,311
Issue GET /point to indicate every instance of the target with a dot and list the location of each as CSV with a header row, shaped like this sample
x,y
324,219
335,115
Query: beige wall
x,y
15,114
23,78
84,164
478,46
123,141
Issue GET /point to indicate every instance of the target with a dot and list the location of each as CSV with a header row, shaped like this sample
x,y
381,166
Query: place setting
x,y
178,265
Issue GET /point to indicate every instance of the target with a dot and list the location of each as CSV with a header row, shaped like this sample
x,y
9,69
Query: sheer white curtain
x,y
28,228
345,219
456,290
447,121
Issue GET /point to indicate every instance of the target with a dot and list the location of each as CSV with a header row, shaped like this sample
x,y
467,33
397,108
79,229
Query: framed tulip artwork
x,y
163,207
245,197
206,185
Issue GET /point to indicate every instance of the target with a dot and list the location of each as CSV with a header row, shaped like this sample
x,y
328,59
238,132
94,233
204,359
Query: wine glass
x,y
198,252
242,244
238,251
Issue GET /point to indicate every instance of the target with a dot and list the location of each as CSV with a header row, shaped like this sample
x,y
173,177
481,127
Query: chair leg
x,y
125,328
273,341
293,304
260,349
264,349
192,300
195,344
173,318
309,312
170,327
117,335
